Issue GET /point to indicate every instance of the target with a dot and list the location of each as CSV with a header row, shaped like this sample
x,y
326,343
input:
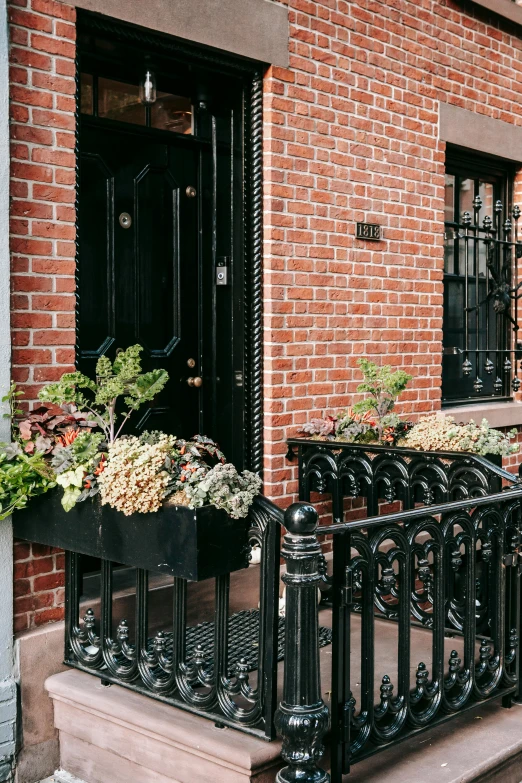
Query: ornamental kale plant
x,y
122,378
223,487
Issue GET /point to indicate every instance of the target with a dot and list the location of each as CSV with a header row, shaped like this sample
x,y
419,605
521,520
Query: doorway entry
x,y
169,228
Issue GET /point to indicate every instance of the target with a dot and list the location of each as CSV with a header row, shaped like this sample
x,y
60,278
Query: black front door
x,y
139,271
169,212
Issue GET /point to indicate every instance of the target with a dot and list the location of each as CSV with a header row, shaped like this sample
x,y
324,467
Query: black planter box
x,y
193,544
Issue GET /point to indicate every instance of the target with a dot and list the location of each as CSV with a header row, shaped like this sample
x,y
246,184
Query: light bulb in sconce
x,y
148,88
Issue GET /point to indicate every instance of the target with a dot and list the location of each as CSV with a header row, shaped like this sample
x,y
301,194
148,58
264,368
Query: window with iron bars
x,y
481,352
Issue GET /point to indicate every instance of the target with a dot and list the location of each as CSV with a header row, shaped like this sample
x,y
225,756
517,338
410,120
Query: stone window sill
x,y
498,414
506,8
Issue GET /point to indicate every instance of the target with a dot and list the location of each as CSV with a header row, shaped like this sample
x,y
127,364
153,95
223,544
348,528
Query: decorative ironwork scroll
x,y
382,474
242,695
448,574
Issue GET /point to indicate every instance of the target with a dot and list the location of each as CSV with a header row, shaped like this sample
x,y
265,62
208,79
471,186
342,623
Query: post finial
x,y
301,519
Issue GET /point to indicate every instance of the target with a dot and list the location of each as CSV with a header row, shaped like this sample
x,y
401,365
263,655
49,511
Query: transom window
x,y
121,101
480,274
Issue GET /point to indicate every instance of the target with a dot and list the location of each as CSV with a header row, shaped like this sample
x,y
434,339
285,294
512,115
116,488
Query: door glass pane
x,y
172,112
449,205
120,101
86,93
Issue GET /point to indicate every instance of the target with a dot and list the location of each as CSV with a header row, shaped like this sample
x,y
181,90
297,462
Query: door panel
x,y
96,272
157,238
139,238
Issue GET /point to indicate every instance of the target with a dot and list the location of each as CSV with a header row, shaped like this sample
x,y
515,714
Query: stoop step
x,y
113,734
483,745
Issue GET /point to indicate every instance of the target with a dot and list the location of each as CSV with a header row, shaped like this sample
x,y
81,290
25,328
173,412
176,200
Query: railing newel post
x,y
302,717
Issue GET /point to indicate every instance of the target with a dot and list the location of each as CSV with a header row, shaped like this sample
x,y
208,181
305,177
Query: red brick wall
x,y
351,133
42,54
38,585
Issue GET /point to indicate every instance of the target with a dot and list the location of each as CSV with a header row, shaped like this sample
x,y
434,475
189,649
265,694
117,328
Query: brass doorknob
x,y
197,381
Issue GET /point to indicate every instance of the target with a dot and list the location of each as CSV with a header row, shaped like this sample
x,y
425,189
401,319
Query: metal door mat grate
x,y
243,639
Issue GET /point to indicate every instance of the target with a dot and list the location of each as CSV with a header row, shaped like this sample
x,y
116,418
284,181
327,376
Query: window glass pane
x,y
172,112
482,257
487,195
449,251
449,205
120,101
466,196
86,82
462,256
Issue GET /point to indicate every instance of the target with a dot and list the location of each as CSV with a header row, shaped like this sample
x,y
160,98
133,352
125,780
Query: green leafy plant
x,y
384,386
22,476
114,380
11,398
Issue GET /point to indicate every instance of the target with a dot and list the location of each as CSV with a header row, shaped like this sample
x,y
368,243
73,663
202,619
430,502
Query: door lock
x,y
190,191
222,270
197,381
221,275
125,220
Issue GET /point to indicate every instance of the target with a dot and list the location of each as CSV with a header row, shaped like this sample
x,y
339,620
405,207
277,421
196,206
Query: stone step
x,y
483,745
114,734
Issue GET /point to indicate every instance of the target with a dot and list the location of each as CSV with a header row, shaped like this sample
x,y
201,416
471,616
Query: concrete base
x,y
117,735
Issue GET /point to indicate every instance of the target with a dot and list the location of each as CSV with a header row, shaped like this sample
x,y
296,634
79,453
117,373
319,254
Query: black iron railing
x,y
384,474
447,576
224,668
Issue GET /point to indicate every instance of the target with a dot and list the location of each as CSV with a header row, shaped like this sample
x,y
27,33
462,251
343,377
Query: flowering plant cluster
x,y
442,433
75,441
141,472
135,478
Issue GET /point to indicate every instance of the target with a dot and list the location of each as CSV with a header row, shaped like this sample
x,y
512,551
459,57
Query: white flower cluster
x,y
441,433
135,479
223,487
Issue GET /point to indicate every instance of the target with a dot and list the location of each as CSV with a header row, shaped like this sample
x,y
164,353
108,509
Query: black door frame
x,y
251,73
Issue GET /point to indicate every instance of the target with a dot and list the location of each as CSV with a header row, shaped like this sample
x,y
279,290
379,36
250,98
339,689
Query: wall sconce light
x,y
148,87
